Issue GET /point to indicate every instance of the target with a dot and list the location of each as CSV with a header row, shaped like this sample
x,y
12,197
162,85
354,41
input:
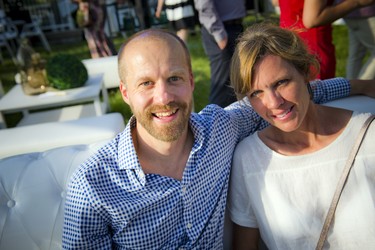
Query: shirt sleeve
x,y
210,19
83,228
330,89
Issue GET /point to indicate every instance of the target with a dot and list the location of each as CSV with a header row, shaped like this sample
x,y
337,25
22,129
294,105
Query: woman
x,y
180,14
313,19
92,21
361,32
285,193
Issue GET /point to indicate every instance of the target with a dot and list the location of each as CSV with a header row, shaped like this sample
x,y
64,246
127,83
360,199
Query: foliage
x,y
66,71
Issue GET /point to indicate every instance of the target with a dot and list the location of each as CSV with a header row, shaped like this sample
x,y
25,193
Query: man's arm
x,y
362,87
210,19
323,91
330,89
83,228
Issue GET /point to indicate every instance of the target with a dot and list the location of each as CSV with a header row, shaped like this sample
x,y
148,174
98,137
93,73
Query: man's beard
x,y
170,131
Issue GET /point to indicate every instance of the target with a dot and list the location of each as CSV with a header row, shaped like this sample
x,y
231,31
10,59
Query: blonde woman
x,y
284,176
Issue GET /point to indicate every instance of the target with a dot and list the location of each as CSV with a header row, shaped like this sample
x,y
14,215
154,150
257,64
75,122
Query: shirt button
x,y
189,225
184,190
11,203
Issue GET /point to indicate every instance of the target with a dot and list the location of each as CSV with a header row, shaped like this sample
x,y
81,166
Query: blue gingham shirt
x,y
112,204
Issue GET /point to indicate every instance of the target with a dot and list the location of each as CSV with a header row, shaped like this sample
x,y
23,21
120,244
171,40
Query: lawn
x,y
199,60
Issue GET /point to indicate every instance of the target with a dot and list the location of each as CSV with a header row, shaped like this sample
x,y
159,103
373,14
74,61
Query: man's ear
x,y
124,92
192,83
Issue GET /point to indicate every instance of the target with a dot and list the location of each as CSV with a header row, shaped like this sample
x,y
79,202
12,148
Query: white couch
x,y
107,66
32,192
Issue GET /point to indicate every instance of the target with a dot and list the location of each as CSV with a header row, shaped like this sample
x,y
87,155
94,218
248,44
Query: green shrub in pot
x,y
66,71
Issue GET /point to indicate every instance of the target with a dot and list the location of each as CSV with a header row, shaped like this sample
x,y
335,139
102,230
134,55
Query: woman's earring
x,y
309,89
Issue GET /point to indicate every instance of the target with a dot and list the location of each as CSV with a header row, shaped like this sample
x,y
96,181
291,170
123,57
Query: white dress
x,y
287,197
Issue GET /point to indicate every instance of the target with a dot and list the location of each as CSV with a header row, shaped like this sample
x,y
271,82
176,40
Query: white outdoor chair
x,y
8,36
25,30
33,29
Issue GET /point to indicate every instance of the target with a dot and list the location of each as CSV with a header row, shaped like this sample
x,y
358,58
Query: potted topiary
x,y
66,71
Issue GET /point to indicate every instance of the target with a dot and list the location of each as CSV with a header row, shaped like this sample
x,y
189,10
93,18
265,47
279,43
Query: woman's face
x,y
279,93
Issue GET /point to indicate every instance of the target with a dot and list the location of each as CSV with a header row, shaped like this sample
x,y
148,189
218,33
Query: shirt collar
x,y
127,155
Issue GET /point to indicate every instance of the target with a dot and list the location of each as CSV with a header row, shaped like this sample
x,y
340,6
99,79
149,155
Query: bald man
x,y
161,183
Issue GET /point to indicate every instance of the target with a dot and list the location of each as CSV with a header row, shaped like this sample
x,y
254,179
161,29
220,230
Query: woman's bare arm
x,y
244,237
317,13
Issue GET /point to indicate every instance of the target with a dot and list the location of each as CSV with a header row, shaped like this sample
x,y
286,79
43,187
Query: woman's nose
x,y
274,99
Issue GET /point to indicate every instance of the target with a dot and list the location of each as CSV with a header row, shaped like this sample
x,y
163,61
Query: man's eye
x,y
174,78
145,84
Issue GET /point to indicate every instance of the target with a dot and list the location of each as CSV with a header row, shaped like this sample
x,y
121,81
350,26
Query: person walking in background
x,y
180,14
313,19
296,162
221,22
361,28
91,16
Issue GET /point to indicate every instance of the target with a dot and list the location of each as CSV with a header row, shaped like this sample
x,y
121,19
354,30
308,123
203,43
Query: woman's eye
x,y
255,94
282,82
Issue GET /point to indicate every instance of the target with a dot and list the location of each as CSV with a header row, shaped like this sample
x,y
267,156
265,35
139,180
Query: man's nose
x,y
163,93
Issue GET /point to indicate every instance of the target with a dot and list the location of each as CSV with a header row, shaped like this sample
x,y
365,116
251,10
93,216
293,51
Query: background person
x,y
180,15
93,20
313,19
296,162
221,22
361,29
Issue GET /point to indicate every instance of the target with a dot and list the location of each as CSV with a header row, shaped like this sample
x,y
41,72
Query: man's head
x,y
157,83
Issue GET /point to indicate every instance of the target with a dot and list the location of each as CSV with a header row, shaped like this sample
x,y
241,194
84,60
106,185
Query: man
x,y
162,182
221,25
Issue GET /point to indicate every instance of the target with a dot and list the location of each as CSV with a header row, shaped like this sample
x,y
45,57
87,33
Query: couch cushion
x,y
32,196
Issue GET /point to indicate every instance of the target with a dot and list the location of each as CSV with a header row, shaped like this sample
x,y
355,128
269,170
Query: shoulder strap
x,y
342,182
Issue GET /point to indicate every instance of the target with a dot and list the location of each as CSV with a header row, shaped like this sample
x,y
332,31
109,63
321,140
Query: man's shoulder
x,y
105,156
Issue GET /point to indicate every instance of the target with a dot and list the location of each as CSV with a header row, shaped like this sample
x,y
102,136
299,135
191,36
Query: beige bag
x,y
342,182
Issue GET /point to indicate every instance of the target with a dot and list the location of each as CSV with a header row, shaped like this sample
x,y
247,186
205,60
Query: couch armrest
x,y
44,136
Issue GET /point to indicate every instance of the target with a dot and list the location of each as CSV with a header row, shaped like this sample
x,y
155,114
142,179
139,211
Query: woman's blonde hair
x,y
263,39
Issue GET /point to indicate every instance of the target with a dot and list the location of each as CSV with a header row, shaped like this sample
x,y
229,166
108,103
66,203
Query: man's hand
x,y
222,43
362,87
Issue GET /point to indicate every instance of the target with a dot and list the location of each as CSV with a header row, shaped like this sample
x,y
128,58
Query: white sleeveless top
x,y
287,197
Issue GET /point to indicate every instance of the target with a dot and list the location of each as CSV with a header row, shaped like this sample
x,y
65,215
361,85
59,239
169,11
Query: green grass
x,y
341,42
200,63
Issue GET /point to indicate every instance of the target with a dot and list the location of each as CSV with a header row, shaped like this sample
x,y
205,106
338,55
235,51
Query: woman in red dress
x,y
313,18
